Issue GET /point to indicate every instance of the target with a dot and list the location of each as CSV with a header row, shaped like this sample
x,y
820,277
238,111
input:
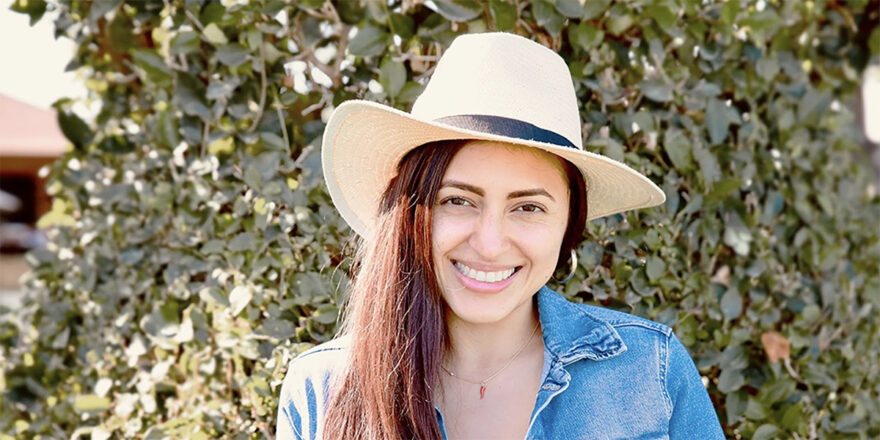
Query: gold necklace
x,y
485,381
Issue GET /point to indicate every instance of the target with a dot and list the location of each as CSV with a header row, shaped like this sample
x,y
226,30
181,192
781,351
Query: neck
x,y
478,349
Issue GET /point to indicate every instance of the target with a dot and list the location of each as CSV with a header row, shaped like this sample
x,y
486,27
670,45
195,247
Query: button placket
x,y
549,389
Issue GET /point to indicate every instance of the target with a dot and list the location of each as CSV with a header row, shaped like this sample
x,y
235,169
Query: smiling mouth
x,y
485,277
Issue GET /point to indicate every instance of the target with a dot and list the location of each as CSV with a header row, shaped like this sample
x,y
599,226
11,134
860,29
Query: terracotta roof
x,y
30,131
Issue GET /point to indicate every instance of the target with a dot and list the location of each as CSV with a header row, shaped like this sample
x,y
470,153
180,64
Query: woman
x,y
466,206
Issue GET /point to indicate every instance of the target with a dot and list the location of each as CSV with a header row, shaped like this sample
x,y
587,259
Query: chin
x,y
476,308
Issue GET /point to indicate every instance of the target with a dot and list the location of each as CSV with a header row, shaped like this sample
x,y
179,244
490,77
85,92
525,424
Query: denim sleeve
x,y
693,415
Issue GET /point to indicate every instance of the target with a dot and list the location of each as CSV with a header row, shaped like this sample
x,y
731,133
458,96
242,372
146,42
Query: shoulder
x,y
331,349
575,331
305,391
621,320
310,374
320,361
641,338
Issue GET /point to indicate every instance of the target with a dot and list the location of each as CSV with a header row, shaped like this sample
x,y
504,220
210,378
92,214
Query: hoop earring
x,y
572,270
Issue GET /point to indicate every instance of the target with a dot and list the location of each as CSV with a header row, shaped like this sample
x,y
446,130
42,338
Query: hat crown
x,y
505,75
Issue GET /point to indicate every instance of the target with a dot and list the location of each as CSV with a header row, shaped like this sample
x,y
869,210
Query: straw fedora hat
x,y
491,86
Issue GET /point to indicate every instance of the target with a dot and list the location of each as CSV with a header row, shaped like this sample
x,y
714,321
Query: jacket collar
x,y
572,333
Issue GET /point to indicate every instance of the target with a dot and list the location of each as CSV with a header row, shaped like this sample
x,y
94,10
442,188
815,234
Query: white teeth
x,y
485,277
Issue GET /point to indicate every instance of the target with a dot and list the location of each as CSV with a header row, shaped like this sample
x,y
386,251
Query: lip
x,y
480,286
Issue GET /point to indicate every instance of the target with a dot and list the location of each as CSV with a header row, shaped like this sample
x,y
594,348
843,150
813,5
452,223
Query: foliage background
x,y
194,250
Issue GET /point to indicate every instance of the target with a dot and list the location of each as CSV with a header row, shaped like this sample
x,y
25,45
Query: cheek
x,y
541,242
544,241
447,231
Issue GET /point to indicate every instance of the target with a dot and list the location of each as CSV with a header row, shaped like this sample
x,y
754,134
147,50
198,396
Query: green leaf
x,y
737,235
731,303
101,8
212,13
570,8
213,247
167,125
766,19
215,35
619,20
369,41
503,14
241,242
190,96
392,76
729,11
277,328
813,105
409,92
239,298
74,129
585,35
678,148
184,42
153,65
90,403
351,12
610,148
378,11
730,380
403,25
232,55
656,90
272,141
850,423
326,314
755,409
776,391
59,215
793,417
767,67
459,10
717,121
706,89
708,164
33,8
773,205
662,15
874,41
131,256
765,431
224,145
594,8
116,144
655,268
546,15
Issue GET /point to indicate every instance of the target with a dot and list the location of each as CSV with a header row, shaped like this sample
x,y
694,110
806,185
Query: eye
x,y
529,207
455,201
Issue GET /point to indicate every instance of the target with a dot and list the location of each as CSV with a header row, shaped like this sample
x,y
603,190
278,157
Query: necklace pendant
x,y
482,390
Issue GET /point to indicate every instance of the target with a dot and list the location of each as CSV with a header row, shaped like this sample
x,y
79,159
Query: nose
x,y
489,238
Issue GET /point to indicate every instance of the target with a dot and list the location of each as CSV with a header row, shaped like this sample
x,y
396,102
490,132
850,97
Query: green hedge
x,y
194,250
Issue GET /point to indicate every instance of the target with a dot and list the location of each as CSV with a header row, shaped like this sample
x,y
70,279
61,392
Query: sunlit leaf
x,y
369,41
459,10
504,15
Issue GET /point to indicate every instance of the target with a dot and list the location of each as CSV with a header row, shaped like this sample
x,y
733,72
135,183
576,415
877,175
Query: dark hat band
x,y
508,127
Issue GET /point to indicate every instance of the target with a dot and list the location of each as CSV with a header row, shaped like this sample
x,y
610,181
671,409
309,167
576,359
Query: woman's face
x,y
498,224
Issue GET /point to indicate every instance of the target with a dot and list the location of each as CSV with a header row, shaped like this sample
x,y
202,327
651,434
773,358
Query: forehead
x,y
489,162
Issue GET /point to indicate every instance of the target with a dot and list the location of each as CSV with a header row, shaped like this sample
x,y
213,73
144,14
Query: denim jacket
x,y
607,375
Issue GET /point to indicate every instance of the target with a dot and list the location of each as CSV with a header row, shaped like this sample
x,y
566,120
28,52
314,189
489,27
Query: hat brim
x,y
364,141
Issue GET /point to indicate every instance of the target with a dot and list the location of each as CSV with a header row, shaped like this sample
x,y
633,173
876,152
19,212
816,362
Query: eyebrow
x,y
514,195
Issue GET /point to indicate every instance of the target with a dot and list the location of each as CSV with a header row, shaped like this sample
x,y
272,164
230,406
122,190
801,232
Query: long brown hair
x,y
396,316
